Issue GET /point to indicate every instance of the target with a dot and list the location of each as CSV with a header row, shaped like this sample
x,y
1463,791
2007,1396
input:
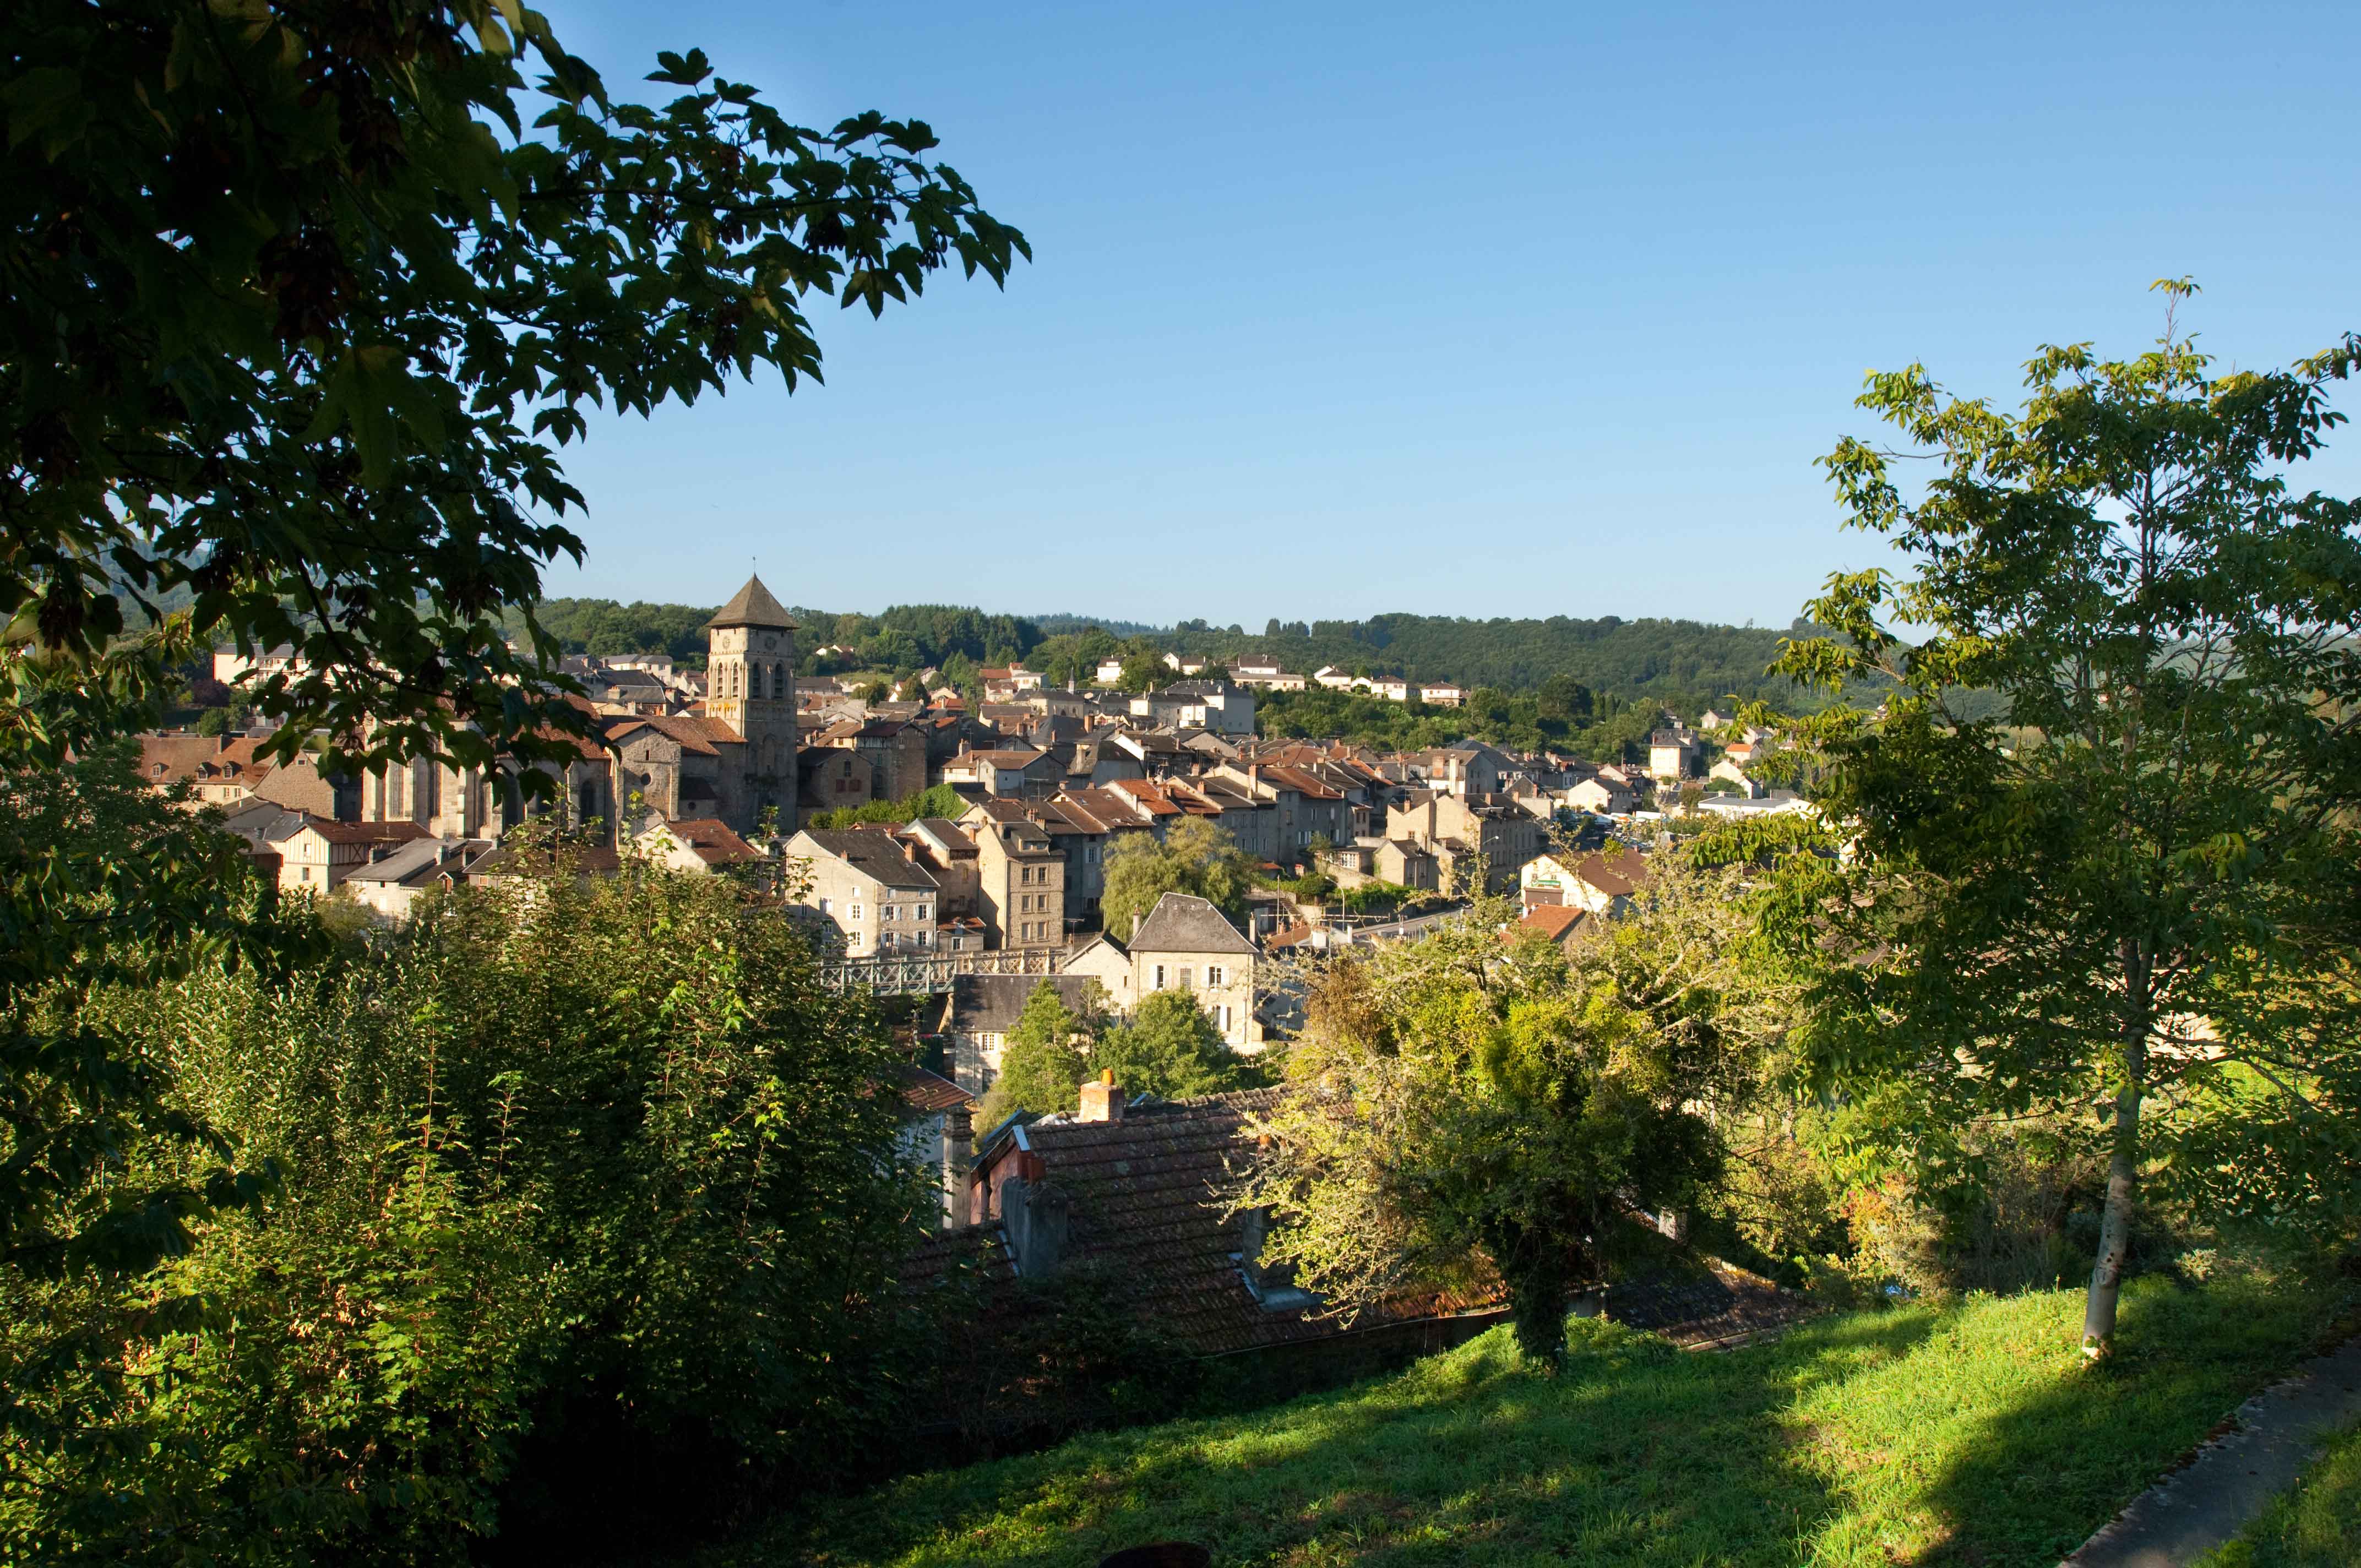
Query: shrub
x,y
585,1211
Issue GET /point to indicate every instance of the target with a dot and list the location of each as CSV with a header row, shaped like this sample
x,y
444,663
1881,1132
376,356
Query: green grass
x,y
2317,1525
1961,1435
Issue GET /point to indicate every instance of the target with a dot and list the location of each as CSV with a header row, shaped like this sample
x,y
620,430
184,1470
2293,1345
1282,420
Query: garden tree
x,y
1170,1049
1463,1102
2136,886
1144,668
317,292
1045,1057
1195,858
592,1169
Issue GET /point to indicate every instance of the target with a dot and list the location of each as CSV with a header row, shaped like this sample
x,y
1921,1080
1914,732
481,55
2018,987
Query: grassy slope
x,y
2318,1525
1962,1435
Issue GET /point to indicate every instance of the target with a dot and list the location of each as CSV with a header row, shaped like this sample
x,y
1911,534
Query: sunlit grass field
x,y
1965,1434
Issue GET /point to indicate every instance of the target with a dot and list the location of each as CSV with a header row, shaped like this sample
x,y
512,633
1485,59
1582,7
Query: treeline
x,y
1686,664
903,639
1563,716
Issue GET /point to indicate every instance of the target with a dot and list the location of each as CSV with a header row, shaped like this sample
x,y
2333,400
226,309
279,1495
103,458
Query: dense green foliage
x,y
563,1177
305,263
935,800
1195,858
1604,730
1044,1059
1460,1103
1955,1434
1686,664
307,312
1168,1048
2141,892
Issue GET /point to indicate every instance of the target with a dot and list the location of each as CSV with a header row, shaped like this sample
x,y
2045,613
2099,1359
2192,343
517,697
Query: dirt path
x,y
2207,1502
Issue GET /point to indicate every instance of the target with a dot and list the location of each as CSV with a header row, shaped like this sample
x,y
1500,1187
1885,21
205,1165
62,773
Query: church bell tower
x,y
750,684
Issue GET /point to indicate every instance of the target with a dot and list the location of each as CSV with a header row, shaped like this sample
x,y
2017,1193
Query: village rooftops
x,y
1182,923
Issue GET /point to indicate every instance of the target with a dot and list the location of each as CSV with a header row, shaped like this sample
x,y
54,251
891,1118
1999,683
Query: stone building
x,y
1184,944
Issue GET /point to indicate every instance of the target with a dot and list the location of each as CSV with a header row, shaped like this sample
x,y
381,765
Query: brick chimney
x,y
1103,1101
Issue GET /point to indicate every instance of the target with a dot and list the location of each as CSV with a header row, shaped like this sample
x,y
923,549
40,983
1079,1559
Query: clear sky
x,y
1465,309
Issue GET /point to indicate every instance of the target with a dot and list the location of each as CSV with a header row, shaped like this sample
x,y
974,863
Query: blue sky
x,y
1465,309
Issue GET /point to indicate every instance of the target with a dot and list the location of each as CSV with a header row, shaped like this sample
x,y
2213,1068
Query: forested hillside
x,y
1684,662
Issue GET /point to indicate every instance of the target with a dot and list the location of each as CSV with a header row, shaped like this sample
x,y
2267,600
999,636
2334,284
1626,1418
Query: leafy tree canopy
x,y
1195,858
2140,891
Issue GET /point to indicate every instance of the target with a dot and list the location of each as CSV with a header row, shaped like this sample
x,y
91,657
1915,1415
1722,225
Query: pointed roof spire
x,y
753,606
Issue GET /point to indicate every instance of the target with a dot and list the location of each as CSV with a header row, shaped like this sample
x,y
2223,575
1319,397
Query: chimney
x,y
1103,1101
959,1143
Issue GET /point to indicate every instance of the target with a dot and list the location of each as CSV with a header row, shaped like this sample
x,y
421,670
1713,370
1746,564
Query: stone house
x,y
1021,881
828,778
1183,943
390,886
863,883
1674,755
315,855
1601,884
895,751
1013,773
1406,862
1459,830
1599,793
701,845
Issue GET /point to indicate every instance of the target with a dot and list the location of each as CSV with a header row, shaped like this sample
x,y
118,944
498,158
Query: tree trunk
x,y
2123,1185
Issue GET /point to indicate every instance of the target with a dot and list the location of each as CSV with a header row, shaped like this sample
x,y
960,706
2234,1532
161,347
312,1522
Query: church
x,y
736,761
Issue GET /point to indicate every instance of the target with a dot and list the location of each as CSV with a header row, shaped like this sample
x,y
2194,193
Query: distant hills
x,y
1679,662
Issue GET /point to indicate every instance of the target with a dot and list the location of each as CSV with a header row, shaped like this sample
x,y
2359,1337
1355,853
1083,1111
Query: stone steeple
x,y
750,684
753,606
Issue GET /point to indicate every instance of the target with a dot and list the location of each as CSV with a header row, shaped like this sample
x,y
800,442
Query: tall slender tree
x,y
2121,893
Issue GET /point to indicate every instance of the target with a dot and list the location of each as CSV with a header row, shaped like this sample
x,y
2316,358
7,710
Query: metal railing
x,y
919,974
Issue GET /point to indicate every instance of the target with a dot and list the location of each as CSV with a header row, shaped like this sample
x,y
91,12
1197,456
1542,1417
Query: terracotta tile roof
x,y
1711,1303
1148,795
1614,876
1552,920
925,1091
714,841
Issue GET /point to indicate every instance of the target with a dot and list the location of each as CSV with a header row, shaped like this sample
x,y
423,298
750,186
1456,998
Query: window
x,y
1221,1017
925,939
921,914
1212,975
856,911
1160,978
1188,978
824,906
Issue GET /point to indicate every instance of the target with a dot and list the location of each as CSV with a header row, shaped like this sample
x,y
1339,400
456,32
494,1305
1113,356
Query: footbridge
x,y
931,973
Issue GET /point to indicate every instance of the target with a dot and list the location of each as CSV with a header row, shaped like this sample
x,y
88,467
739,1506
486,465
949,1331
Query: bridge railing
x,y
920,973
